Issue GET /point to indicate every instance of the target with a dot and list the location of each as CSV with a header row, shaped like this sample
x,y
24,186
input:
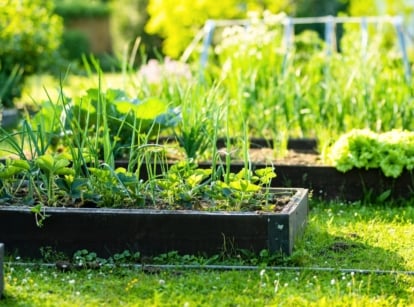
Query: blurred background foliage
x,y
47,35
30,36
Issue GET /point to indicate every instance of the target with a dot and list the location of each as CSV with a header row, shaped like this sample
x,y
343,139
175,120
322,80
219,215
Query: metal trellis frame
x,y
206,34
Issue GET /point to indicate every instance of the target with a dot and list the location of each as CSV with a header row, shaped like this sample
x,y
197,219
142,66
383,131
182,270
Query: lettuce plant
x,y
392,152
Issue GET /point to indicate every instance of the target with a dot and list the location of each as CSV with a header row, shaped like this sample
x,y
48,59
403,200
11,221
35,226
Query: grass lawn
x,y
345,238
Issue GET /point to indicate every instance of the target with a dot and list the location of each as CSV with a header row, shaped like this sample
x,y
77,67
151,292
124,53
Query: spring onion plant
x,y
302,90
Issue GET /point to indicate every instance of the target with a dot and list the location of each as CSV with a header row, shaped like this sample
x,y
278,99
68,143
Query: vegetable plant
x,y
65,156
297,88
392,151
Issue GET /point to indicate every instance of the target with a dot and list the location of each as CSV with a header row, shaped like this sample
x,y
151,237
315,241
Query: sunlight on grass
x,y
46,286
342,236
356,236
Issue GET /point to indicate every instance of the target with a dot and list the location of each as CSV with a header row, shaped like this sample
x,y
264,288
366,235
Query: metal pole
x,y
364,37
209,28
288,38
330,38
401,39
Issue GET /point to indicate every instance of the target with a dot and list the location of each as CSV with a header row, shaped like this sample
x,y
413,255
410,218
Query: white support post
x,y
209,28
330,35
288,40
364,37
403,46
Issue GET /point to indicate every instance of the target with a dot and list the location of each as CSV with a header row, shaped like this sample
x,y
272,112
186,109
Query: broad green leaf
x,y
150,108
195,179
265,174
125,107
60,163
244,186
45,163
22,164
64,171
10,171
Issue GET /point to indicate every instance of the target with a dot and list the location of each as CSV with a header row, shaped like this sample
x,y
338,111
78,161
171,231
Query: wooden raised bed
x,y
152,232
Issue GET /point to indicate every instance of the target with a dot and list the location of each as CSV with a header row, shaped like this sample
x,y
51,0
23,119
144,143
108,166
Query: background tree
x,y
178,21
30,36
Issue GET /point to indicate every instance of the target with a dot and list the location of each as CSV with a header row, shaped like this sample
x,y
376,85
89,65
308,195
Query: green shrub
x,y
178,21
81,8
75,43
30,36
373,7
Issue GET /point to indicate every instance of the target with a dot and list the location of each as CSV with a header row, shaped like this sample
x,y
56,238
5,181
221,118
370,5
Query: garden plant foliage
x,y
179,21
392,151
30,35
303,87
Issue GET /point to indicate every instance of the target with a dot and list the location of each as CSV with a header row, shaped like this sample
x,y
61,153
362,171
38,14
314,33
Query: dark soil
x,y
290,157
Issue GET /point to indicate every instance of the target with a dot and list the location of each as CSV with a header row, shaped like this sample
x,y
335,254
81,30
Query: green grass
x,y
47,287
358,236
339,236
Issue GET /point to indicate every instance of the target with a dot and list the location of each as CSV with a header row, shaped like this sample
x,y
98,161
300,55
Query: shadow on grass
x,y
318,248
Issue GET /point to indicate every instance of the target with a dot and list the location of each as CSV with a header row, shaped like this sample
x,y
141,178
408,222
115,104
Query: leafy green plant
x,y
240,190
10,172
77,8
116,187
295,88
52,166
179,26
108,123
50,181
182,184
197,129
30,35
392,151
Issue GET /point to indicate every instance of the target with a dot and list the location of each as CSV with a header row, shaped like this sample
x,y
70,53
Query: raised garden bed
x,y
327,183
303,169
151,232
